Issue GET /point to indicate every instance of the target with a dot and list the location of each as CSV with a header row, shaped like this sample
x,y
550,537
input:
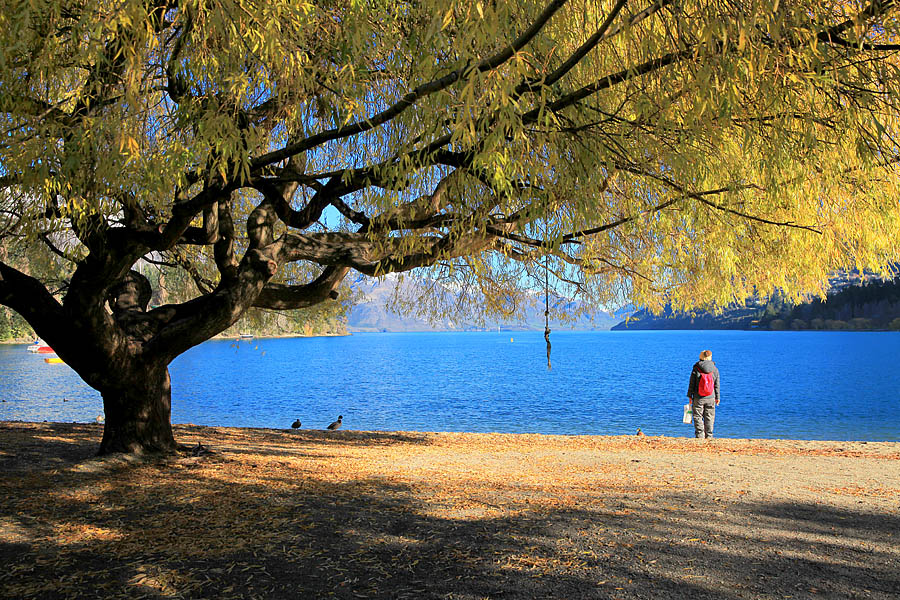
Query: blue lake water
x,y
804,385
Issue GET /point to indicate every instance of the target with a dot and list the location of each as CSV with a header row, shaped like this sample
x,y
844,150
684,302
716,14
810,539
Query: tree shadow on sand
x,y
187,528
33,446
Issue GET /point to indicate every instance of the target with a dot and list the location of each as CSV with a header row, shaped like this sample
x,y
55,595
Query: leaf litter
x,y
285,514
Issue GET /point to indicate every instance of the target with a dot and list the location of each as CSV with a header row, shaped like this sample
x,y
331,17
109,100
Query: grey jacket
x,y
703,366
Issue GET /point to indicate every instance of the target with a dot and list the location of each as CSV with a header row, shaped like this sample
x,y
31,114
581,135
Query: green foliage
x,y
13,327
777,325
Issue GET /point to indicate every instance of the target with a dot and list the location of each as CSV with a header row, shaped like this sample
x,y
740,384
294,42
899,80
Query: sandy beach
x,y
262,513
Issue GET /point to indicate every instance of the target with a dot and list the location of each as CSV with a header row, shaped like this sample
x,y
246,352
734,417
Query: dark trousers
x,y
704,410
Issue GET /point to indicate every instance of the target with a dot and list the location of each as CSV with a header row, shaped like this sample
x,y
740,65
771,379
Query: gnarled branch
x,y
281,297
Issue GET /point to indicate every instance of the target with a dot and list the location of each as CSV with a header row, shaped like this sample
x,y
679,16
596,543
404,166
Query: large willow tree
x,y
689,152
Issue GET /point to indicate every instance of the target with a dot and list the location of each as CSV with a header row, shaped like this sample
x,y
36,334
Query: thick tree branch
x,y
28,297
284,297
208,233
223,250
358,251
354,216
418,213
183,212
57,326
280,195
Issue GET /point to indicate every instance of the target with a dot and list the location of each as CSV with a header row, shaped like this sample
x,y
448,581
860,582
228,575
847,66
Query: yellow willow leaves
x,y
732,146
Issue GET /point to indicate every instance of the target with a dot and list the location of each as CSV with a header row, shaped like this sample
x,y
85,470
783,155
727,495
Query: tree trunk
x,y
138,408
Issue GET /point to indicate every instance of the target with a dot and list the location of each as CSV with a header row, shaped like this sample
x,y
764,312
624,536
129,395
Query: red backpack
x,y
707,385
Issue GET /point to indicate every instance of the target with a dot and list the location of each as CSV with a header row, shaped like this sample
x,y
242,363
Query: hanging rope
x,y
547,306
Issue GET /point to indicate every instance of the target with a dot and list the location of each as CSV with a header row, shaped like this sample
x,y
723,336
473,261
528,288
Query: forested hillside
x,y
855,303
873,305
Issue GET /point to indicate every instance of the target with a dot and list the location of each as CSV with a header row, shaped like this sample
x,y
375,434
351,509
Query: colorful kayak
x,y
53,360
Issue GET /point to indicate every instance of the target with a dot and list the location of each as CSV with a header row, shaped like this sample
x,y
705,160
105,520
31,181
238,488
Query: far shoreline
x,y
30,340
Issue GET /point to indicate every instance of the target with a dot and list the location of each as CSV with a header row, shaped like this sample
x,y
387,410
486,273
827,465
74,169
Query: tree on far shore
x,y
682,152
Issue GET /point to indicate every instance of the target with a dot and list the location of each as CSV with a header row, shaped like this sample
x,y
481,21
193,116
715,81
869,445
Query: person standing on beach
x,y
703,391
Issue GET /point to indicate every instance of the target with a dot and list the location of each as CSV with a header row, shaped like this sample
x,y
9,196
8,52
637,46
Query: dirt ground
x,y
261,513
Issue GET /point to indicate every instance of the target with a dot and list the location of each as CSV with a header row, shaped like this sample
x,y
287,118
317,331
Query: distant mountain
x,y
860,302
372,312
